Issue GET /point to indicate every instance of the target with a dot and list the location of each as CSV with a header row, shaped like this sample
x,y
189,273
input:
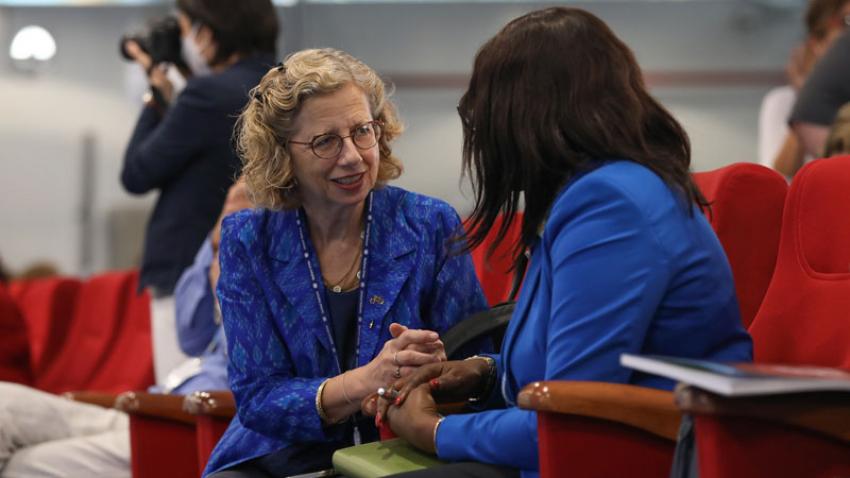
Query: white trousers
x,y
45,435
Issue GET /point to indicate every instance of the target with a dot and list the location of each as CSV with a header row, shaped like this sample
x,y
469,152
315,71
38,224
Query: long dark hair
x,y
553,92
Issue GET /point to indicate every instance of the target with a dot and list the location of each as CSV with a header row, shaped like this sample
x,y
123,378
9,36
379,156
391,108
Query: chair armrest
x,y
103,399
154,405
217,403
827,413
645,408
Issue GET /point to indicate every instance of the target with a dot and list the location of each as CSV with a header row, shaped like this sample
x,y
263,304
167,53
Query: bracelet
x,y
344,393
436,426
319,409
491,377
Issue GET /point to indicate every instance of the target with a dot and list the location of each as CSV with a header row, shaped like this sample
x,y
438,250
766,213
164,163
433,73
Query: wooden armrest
x,y
649,409
827,413
217,403
156,405
103,399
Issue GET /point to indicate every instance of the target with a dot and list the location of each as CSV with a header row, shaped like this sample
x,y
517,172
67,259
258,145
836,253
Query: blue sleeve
x,y
271,399
608,274
160,149
195,304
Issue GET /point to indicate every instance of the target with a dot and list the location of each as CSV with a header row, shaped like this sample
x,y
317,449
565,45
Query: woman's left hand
x,y
415,419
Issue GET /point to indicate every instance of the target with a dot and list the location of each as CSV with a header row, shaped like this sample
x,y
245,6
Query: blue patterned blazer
x,y
279,349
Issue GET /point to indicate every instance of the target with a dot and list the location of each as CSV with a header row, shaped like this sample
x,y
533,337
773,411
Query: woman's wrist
x,y
488,377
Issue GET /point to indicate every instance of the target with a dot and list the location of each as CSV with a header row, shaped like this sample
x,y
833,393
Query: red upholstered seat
x,y
804,319
746,214
98,315
47,306
14,344
494,272
130,358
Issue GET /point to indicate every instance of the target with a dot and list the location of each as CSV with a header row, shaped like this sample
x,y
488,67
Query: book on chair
x,y
735,379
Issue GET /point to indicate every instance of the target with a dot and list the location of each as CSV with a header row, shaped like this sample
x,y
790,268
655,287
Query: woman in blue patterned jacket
x,y
339,284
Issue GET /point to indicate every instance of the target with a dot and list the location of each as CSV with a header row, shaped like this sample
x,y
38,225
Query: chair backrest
x,y
47,306
746,214
98,314
494,272
14,344
129,362
805,316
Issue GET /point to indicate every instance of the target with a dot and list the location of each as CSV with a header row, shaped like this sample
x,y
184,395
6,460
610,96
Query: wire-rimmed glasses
x,y
329,145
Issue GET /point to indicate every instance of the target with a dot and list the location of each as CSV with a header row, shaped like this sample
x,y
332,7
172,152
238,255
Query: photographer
x,y
181,145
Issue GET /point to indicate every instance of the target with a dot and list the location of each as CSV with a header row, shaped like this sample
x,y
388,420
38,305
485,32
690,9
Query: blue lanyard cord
x,y
317,290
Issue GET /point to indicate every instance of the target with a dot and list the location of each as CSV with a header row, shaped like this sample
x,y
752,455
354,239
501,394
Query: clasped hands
x,y
410,409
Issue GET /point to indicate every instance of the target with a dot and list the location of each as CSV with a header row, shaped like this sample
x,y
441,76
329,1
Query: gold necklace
x,y
345,280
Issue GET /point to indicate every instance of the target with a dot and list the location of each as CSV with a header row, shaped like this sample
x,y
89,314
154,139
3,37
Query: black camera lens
x,y
160,40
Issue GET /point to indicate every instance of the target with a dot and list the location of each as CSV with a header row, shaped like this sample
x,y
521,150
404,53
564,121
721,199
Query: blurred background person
x,y
824,93
838,141
622,259
337,282
778,147
181,145
47,435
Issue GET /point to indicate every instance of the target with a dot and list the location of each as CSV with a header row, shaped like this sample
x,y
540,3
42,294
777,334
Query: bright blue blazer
x,y
279,349
623,265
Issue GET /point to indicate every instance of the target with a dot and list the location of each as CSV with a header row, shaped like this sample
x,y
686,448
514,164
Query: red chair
x,y
162,435
746,214
130,359
596,429
14,344
494,273
804,320
47,306
98,315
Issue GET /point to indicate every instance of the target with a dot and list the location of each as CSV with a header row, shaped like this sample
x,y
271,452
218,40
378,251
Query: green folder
x,y
381,458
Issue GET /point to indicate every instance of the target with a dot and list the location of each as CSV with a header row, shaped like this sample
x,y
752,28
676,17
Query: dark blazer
x,y
278,346
187,155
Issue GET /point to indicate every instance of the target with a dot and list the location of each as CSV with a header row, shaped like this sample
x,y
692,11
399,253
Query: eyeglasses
x,y
329,145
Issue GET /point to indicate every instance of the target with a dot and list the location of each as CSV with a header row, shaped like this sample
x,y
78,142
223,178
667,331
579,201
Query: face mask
x,y
192,53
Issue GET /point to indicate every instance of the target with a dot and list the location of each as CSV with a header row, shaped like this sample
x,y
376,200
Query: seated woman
x,y
622,260
338,284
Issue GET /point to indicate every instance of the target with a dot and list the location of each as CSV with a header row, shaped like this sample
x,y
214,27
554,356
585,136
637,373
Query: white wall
x,y
45,117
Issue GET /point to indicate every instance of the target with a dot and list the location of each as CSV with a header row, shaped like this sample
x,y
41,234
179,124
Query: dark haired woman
x,y
181,145
621,258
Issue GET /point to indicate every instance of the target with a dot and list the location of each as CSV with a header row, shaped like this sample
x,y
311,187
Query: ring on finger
x,y
397,372
395,360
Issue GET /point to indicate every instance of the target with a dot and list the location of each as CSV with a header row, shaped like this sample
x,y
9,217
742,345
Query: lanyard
x,y
319,289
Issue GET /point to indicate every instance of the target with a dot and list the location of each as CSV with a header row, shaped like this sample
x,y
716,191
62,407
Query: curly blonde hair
x,y
268,120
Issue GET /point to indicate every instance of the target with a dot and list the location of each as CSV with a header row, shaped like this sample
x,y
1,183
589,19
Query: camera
x,y
160,40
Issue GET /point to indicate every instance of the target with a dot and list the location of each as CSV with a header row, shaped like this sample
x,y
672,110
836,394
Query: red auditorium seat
x,y
47,306
746,214
804,320
494,273
98,314
130,362
14,344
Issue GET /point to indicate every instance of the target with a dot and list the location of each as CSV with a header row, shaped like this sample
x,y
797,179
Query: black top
x,y
343,312
188,156
827,87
